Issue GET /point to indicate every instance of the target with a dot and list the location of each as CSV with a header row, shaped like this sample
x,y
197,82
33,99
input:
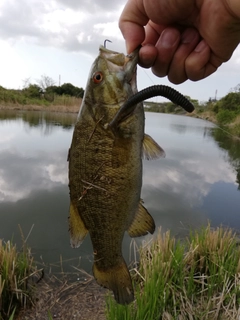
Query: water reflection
x,y
174,188
232,146
195,182
46,121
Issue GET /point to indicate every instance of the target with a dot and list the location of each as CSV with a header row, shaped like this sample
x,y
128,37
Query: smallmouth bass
x,y
105,169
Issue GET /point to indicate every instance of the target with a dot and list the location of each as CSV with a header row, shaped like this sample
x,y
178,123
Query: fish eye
x,y
97,77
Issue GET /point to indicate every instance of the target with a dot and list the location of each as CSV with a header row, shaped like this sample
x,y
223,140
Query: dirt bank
x,y
64,299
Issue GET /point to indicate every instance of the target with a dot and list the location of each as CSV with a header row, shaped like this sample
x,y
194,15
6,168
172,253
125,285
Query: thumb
x,y
131,23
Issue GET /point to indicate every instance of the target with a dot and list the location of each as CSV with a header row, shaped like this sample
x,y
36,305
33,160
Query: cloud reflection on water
x,y
175,188
20,175
180,191
28,159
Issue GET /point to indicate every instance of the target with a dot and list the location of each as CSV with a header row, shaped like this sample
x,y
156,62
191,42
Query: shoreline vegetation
x,y
66,108
224,112
45,96
67,98
192,278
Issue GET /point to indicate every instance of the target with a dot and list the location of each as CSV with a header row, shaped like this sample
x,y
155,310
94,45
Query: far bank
x,y
68,108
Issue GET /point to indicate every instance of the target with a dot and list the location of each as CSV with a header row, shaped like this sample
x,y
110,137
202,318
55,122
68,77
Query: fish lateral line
x,y
157,90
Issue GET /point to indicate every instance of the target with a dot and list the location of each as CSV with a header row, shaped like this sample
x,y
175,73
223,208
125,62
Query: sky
x,y
60,39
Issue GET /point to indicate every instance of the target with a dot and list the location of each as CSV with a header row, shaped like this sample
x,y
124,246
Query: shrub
x,y
225,116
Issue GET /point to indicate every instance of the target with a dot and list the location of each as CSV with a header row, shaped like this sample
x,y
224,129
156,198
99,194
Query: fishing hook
x,y
105,41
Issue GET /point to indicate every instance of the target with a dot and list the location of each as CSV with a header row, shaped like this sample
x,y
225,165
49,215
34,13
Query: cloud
x,y
93,6
19,19
73,26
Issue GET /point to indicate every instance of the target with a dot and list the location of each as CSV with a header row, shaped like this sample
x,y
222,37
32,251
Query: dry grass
x,y
27,294
17,277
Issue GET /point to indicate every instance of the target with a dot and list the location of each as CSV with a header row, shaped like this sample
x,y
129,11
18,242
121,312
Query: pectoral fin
x,y
142,224
77,228
151,150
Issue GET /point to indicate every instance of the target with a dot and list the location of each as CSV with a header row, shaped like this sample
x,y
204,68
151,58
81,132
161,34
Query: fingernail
x,y
201,46
188,36
169,38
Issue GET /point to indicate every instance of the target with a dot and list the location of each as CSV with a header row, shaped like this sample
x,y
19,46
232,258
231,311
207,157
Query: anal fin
x,y
151,150
142,224
77,228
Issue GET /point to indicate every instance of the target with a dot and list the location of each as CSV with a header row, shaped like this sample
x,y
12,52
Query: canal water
x,y
197,182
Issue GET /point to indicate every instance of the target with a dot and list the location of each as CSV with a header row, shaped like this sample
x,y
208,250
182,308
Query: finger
x,y
131,23
147,56
199,63
152,32
189,40
148,53
166,47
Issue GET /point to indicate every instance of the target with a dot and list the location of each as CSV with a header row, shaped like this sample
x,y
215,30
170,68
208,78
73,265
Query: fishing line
x,y
148,75
233,136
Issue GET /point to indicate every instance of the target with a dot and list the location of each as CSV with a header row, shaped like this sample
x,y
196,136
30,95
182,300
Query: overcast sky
x,y
61,37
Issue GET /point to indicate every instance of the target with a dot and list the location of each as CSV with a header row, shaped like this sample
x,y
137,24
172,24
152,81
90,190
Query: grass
x,y
10,98
17,275
193,279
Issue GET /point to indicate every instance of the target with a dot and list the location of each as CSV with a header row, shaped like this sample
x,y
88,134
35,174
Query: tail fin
x,y
118,280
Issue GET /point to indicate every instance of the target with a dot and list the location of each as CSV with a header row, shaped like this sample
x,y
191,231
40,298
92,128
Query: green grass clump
x,y
226,116
235,129
193,279
16,271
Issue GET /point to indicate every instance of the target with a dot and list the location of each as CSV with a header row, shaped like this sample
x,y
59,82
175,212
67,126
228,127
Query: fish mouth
x,y
126,65
131,62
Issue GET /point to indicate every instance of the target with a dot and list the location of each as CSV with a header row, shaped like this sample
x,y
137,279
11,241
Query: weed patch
x,y
193,279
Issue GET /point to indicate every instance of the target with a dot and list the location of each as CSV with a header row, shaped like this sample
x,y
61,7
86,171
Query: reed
x,y
197,278
17,275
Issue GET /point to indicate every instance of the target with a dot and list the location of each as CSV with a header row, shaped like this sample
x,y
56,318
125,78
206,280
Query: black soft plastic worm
x,y
158,90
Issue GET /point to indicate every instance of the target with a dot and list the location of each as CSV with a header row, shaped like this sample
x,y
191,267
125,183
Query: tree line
x,y
42,92
45,88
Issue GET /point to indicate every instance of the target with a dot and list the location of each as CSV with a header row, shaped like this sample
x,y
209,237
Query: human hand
x,y
183,39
